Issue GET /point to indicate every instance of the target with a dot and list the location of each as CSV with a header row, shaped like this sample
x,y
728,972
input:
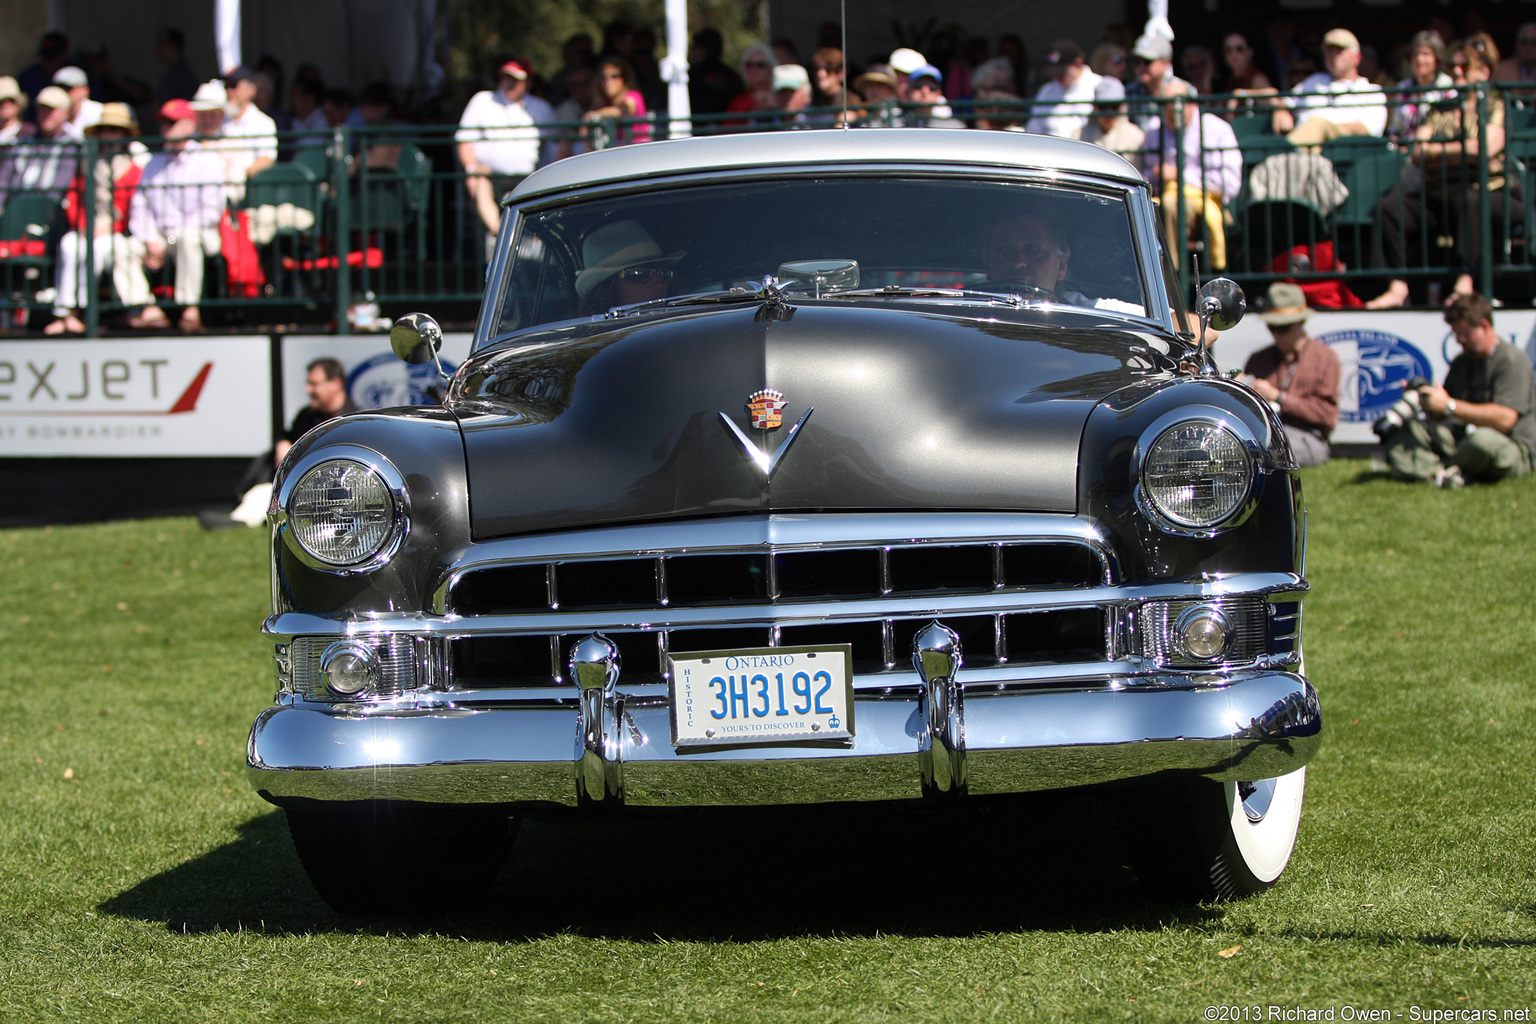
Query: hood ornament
x,y
766,409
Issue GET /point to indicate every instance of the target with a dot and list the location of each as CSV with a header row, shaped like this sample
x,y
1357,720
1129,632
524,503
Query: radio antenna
x,y
843,23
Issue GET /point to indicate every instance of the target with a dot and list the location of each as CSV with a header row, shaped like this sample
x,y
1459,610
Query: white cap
x,y
210,96
905,61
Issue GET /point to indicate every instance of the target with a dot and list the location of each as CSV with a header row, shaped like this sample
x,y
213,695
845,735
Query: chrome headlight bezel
x,y
397,524
1232,512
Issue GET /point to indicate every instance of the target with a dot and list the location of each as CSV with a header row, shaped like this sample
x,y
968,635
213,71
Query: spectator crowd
x,y
1175,113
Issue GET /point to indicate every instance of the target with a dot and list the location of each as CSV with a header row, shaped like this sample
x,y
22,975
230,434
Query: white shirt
x,y
90,113
504,134
258,135
1212,160
1070,108
179,191
1359,99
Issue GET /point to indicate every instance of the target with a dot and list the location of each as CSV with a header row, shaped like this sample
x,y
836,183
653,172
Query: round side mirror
x,y
1221,304
416,338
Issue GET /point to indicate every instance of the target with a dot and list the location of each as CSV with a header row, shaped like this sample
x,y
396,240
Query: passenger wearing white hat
x,y
903,62
1339,101
45,163
83,111
13,103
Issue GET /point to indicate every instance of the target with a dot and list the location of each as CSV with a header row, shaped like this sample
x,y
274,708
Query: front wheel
x,y
394,856
1216,840
1252,833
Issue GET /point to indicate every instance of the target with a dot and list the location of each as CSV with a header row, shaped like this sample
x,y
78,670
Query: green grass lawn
x,y
144,880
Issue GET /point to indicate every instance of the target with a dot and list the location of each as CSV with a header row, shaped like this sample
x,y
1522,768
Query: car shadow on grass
x,y
1039,863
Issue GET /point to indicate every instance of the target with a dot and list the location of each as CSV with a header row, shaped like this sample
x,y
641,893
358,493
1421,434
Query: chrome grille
x,y
870,575
702,580
1071,635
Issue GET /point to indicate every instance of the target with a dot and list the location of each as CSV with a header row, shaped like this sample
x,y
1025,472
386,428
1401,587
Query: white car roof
x,y
914,146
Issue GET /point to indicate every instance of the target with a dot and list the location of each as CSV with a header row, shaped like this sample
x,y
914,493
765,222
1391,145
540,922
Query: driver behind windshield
x,y
1029,253
1029,250
624,265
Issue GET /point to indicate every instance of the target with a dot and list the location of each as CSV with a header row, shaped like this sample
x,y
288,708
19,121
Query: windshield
x,y
861,239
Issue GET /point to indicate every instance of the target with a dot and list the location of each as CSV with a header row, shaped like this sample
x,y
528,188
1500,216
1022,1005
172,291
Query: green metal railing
x,y
383,214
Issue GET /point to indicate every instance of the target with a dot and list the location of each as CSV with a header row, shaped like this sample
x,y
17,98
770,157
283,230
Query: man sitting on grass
x,y
1480,424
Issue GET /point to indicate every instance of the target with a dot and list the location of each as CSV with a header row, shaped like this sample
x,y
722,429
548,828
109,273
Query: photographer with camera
x,y
1297,375
1480,425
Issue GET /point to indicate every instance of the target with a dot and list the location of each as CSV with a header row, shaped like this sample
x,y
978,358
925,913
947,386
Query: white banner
x,y
1377,353
182,397
376,377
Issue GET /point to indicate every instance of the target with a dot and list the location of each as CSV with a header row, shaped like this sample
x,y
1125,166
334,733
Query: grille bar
x,y
1057,636
773,577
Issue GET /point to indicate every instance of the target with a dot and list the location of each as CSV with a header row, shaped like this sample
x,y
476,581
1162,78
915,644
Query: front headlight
x,y
1197,474
343,513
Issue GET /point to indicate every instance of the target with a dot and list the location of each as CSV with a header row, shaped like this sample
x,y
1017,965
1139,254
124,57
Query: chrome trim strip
x,y
1259,726
778,532
291,624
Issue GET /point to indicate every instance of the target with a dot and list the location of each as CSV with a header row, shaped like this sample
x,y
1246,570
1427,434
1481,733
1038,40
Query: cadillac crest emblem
x,y
767,409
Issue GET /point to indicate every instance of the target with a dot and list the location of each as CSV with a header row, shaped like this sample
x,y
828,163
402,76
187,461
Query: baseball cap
x,y
1151,47
926,71
70,77
10,90
790,76
515,69
53,96
905,60
1343,38
239,74
175,110
1062,53
1109,90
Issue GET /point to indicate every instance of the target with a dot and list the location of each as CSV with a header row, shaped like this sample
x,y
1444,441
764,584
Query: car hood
x,y
621,420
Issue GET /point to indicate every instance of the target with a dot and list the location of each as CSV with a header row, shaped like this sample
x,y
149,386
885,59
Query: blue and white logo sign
x,y
1375,365
383,381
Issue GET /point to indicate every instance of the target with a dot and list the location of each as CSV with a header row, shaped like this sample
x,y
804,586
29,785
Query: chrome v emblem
x,y
766,463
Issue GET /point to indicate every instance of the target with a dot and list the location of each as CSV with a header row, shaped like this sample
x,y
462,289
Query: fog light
x,y
1204,632
349,669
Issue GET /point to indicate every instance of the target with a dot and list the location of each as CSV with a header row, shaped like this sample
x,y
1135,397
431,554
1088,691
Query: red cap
x,y
176,110
514,69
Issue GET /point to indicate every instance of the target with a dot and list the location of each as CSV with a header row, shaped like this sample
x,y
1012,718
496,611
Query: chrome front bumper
x,y
944,742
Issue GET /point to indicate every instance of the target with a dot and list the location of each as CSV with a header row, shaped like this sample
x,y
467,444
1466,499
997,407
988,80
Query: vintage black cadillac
x,y
808,467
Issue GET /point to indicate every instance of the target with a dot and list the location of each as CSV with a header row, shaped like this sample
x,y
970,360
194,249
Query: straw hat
x,y
613,247
1286,305
115,115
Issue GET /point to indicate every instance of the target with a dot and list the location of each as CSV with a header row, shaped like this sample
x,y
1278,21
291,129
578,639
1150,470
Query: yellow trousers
x,y
1198,204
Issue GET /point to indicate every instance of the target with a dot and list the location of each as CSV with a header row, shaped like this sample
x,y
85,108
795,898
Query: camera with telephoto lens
x,y
1402,410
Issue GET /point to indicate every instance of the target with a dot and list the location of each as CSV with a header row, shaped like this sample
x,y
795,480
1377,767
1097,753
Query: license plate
x,y
767,695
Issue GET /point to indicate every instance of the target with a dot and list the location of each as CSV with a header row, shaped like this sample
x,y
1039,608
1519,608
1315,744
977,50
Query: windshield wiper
x,y
909,291
692,299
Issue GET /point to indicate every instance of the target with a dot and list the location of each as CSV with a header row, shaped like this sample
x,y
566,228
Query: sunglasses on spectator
x,y
1236,49
755,64
646,274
